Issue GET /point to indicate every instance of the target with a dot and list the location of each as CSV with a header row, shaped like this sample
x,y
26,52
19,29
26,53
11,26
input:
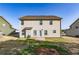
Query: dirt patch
x,y
46,51
74,50
6,38
11,47
71,39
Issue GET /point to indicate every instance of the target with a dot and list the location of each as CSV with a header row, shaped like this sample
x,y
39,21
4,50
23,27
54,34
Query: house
x,y
74,29
40,26
5,27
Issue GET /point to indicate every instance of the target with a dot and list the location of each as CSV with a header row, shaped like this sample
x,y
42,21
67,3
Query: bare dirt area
x,y
74,47
10,45
46,51
6,38
72,39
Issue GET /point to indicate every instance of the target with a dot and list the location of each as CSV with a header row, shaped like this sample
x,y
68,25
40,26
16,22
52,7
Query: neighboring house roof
x,y
40,17
74,22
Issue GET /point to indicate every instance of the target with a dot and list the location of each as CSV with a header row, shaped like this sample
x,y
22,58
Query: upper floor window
x,y
41,22
22,22
50,22
45,32
77,27
4,25
35,32
54,31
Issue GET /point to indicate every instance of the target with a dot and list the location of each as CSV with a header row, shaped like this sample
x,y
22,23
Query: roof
x,y
40,17
74,22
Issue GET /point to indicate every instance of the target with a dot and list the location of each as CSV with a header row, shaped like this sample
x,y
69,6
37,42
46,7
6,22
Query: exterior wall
x,y
5,27
73,31
35,24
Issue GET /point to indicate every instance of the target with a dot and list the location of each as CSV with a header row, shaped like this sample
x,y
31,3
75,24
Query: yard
x,y
64,39
12,45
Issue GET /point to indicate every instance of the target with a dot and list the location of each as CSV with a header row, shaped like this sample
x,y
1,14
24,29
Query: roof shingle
x,y
40,17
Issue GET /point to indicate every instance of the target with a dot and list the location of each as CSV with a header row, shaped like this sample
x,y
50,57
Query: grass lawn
x,y
60,39
55,39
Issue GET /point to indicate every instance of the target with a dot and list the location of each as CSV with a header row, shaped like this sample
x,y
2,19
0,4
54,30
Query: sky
x,y
69,12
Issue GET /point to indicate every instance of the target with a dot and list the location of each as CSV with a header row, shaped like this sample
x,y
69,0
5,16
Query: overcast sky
x,y
12,12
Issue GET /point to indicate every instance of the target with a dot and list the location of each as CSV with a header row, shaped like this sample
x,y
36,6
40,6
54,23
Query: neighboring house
x,y
40,26
5,27
74,29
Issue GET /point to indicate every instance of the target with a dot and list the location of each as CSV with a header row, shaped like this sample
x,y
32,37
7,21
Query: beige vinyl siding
x,y
73,31
35,24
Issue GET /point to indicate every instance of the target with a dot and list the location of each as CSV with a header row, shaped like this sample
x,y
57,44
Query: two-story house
x,y
40,26
74,29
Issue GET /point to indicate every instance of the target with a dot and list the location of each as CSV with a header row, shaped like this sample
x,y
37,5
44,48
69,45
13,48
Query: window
x,y
22,22
40,33
41,22
4,25
76,27
50,22
45,32
54,31
35,32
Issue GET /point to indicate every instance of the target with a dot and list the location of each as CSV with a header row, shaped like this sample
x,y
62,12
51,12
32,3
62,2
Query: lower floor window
x,y
45,32
54,31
